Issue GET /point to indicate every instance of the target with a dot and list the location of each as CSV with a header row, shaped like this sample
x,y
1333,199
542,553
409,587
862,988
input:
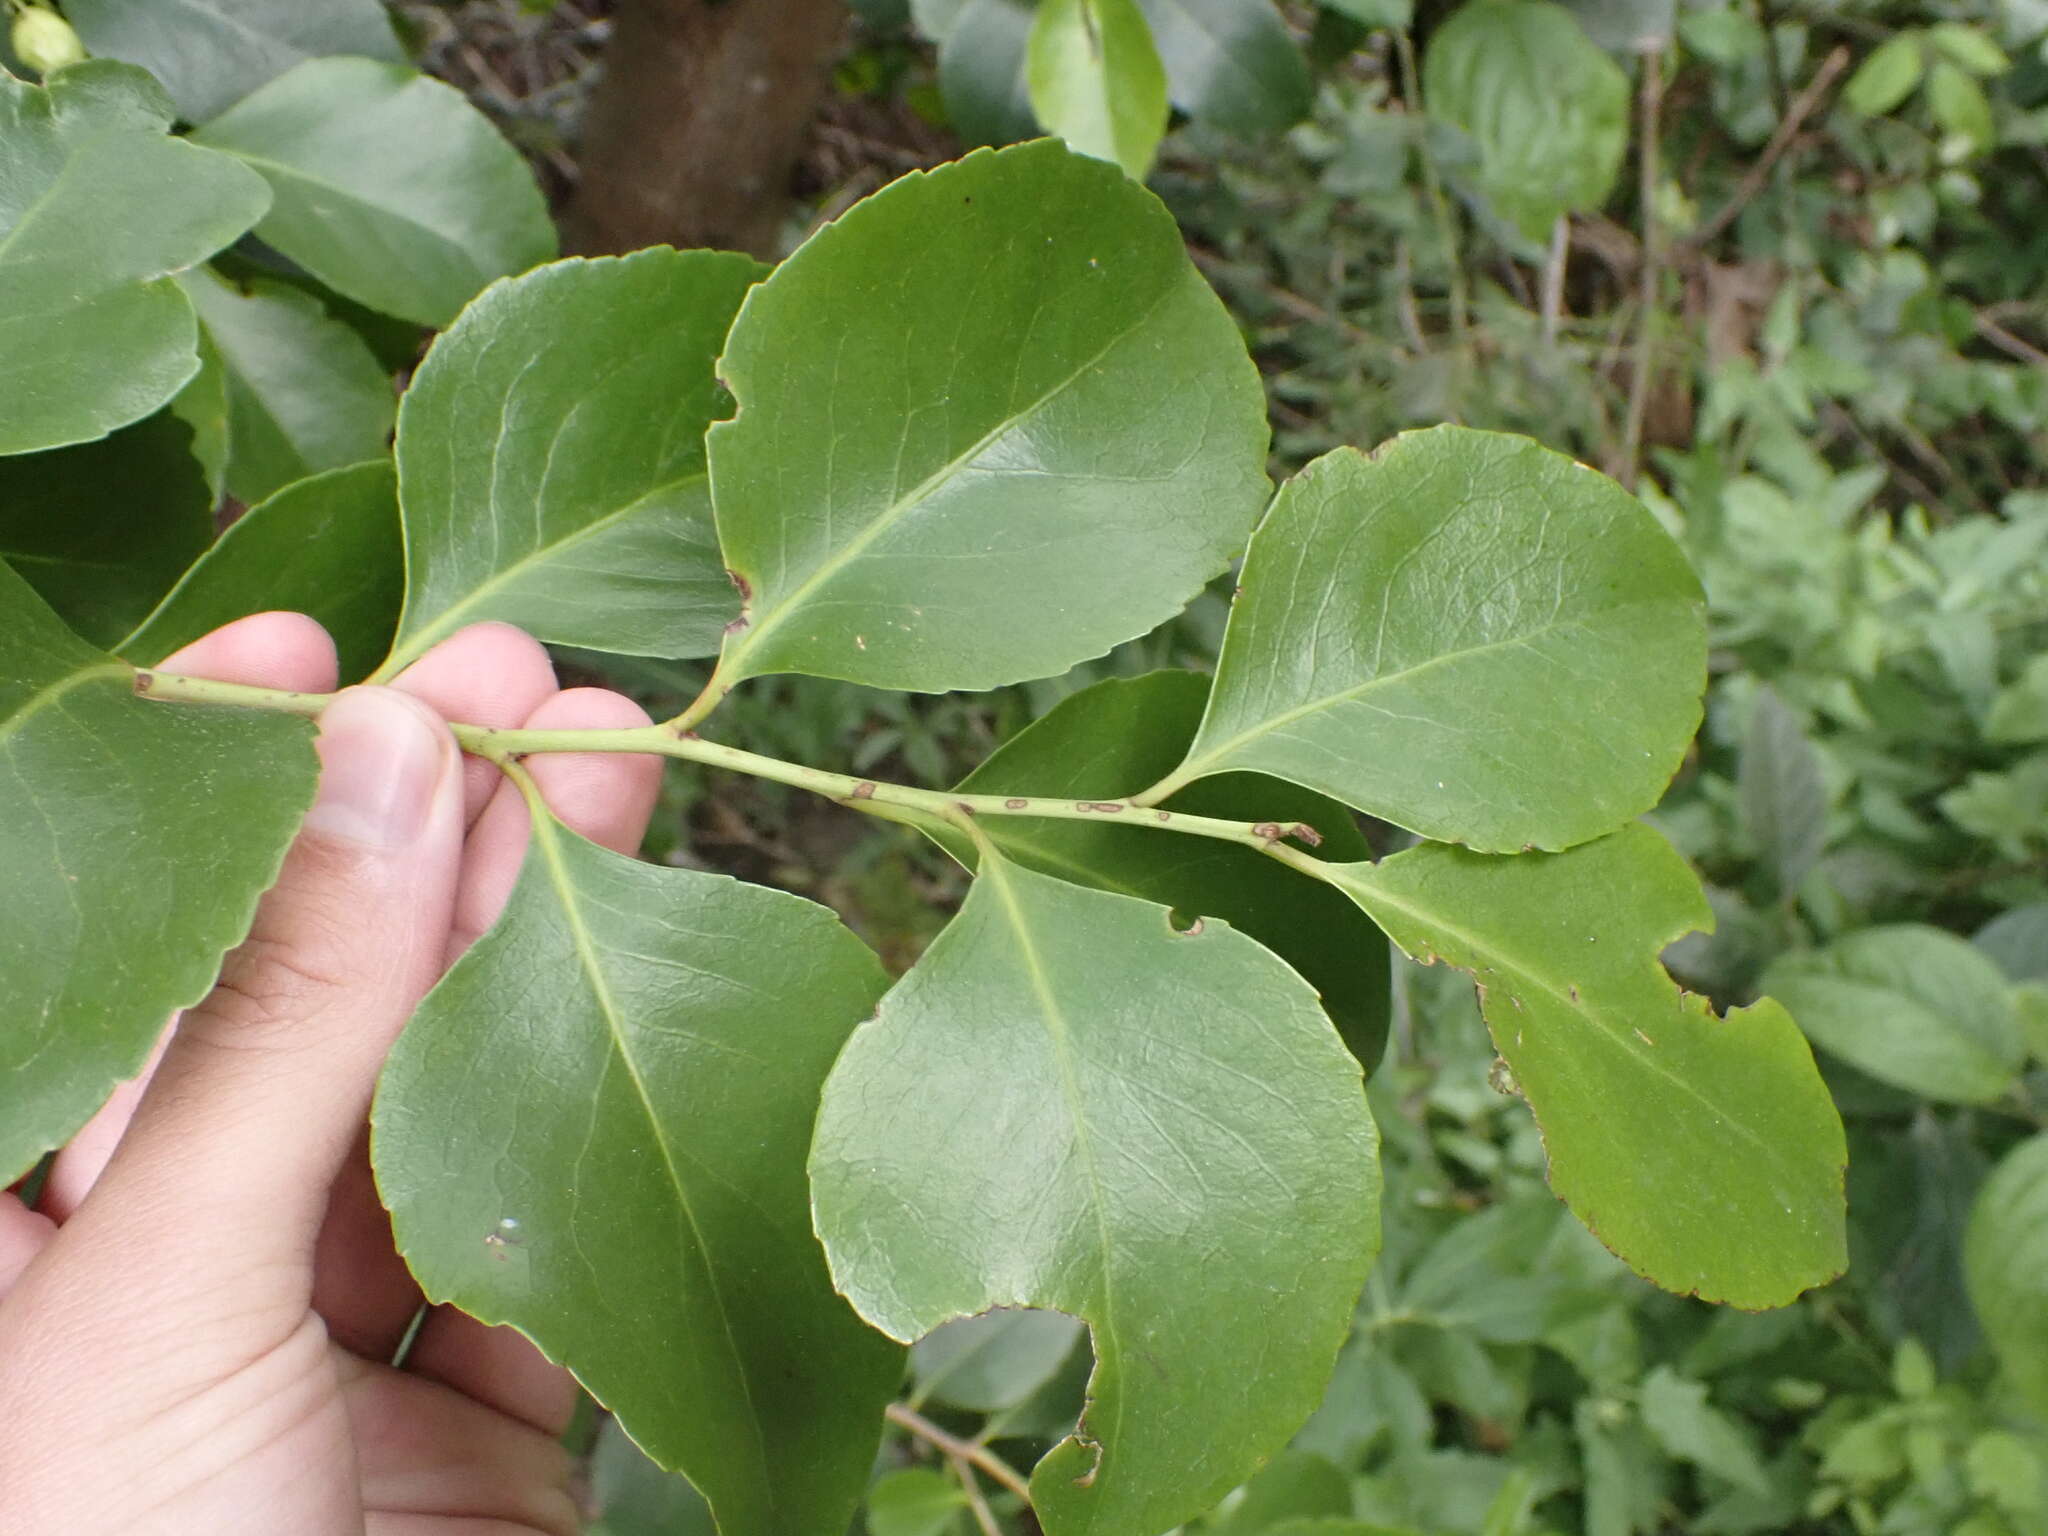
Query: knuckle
x,y
267,985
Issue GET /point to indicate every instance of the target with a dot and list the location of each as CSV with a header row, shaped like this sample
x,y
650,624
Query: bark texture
x,y
698,121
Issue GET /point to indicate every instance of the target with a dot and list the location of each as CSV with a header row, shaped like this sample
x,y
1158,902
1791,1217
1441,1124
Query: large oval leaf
x,y
136,840
991,422
102,530
389,187
551,458
94,333
210,53
1096,82
984,58
1914,1006
326,546
594,1130
1465,634
303,391
1704,1151
1067,1104
1105,741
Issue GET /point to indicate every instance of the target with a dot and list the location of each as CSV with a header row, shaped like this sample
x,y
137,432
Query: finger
x,y
487,674
265,650
23,1234
223,1176
608,798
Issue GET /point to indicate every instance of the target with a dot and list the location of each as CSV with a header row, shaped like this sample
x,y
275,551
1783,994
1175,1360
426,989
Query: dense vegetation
x,y
1783,269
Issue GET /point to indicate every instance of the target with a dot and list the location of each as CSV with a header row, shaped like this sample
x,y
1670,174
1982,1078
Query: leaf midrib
x,y
993,867
1428,917
46,696
545,835
407,648
903,505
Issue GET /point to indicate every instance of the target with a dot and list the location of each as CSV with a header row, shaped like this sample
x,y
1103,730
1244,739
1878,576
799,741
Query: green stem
x,y
923,808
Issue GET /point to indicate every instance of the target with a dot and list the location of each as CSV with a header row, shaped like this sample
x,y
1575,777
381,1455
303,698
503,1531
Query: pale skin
x,y
195,1319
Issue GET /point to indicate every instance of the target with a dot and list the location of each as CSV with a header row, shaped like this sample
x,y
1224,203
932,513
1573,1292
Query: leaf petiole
x,y
876,797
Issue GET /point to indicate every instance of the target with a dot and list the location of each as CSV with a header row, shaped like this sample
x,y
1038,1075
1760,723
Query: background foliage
x,y
1781,266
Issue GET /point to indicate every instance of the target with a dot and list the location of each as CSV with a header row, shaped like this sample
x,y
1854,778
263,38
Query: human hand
x,y
195,1319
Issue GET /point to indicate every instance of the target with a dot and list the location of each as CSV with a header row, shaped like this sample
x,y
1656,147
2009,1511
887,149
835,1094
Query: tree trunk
x,y
698,120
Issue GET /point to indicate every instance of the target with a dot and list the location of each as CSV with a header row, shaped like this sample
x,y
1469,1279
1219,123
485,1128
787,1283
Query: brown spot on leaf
x,y
1015,805
1308,834
864,790
746,588
1267,831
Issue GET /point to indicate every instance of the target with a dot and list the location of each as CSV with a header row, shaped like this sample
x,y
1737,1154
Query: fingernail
x,y
381,761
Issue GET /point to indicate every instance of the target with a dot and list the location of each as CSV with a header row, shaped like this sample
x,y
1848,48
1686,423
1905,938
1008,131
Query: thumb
x,y
224,1173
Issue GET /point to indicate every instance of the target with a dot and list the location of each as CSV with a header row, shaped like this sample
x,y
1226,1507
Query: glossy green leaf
x,y
1096,81
983,66
1887,75
102,530
1035,436
1121,734
594,1130
1546,110
1295,1485
994,1360
1465,634
94,334
1230,63
303,392
203,406
389,187
210,53
137,840
326,546
1911,1005
551,458
1069,1104
1704,1151
2005,1256
1781,792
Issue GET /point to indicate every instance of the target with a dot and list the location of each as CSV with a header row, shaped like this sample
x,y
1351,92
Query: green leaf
x,y
1911,1005
101,530
2018,941
1375,13
1969,48
303,392
389,187
1036,435
1231,63
210,53
992,1361
1294,1485
1781,792
1960,106
2005,1255
140,837
95,334
1068,1104
1887,77
594,1130
1096,81
915,1502
551,458
1676,1411
1108,740
1545,108
1704,1151
1465,634
326,546
203,406
983,64
2020,711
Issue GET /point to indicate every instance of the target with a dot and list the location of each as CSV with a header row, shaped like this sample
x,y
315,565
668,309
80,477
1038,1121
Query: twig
x,y
978,1457
1781,140
984,1517
1651,274
2010,344
1553,278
